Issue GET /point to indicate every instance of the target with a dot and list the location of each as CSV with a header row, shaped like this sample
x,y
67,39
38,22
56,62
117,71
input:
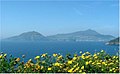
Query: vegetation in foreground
x,y
100,62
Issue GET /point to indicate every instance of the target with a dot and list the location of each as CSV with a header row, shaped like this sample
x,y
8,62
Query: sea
x,y
32,49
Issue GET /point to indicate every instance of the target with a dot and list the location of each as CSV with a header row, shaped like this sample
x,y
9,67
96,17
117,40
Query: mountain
x,y
28,36
87,35
114,41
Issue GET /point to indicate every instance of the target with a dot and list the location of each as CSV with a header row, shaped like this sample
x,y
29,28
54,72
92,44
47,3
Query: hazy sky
x,y
53,17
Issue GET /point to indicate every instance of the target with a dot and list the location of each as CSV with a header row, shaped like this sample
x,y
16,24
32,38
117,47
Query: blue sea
x,y
32,49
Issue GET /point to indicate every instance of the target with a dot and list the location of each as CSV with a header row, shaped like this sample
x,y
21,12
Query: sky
x,y
56,17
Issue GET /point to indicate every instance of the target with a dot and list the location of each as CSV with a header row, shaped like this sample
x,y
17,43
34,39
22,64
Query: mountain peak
x,y
31,33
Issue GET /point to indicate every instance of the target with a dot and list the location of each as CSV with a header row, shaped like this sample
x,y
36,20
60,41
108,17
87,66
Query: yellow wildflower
x,y
70,70
60,57
94,55
102,50
82,57
98,53
87,52
43,55
87,57
98,63
80,71
42,67
111,63
54,55
69,62
0,56
83,54
77,69
37,57
74,58
113,68
82,67
80,52
87,63
5,55
18,59
43,62
49,68
29,60
110,70
93,63
103,63
116,60
90,61
113,57
37,67
57,64
100,60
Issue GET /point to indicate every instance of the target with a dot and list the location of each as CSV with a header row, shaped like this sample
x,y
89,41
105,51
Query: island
x,y
113,42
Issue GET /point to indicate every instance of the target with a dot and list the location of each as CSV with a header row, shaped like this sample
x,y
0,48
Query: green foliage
x,y
84,63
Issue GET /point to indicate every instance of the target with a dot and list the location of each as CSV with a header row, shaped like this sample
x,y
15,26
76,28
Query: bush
x,y
83,63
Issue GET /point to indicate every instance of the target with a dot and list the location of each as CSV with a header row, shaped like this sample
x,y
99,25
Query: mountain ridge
x,y
87,35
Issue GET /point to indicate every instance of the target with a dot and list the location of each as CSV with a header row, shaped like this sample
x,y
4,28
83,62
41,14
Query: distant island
x,y
87,35
113,42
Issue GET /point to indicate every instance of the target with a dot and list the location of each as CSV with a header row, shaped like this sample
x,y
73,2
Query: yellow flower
x,y
98,53
30,60
42,67
43,62
114,71
69,62
93,63
82,67
110,70
37,67
37,57
49,68
113,68
83,54
70,70
87,56
98,63
0,56
116,60
103,63
90,61
80,71
77,69
57,64
60,57
18,59
113,57
80,52
74,58
54,55
5,55
102,50
94,55
43,55
87,52
87,63
82,57
111,63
